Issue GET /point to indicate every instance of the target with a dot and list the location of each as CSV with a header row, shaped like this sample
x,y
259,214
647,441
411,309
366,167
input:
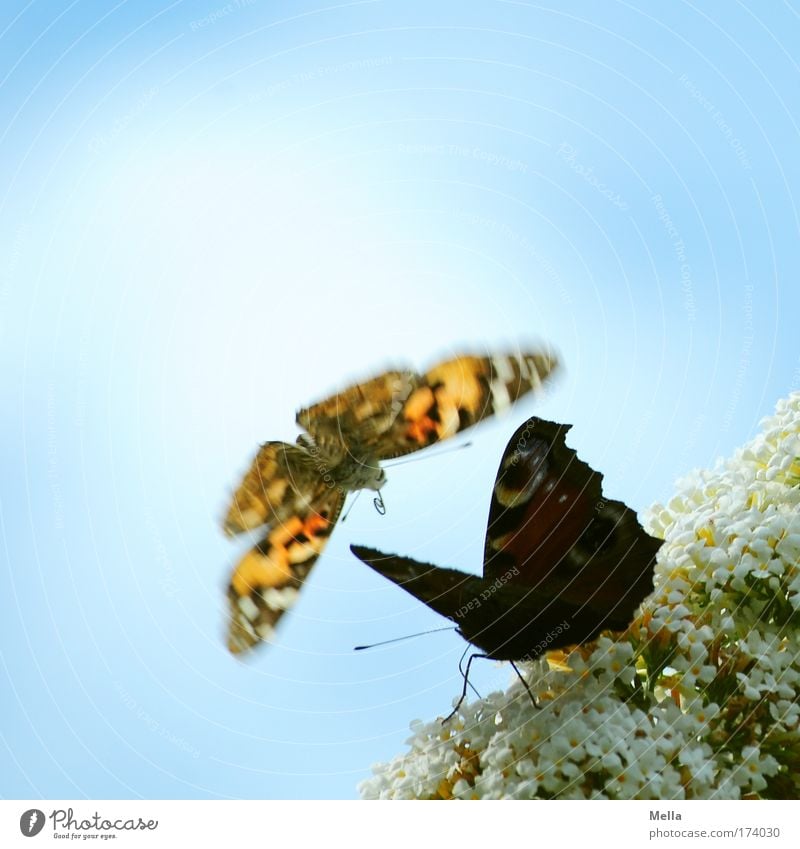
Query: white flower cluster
x,y
700,698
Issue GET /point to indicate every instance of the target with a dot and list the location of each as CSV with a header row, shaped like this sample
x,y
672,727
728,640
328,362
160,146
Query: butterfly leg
x,y
524,682
463,696
463,675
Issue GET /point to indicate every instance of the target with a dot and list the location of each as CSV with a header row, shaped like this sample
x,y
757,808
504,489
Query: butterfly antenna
x,y
429,455
406,637
352,505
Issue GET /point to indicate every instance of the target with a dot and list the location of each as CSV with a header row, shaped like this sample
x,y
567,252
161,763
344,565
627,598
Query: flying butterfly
x,y
293,493
561,562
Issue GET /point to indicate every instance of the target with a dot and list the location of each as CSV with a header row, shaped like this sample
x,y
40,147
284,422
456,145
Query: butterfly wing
x,y
266,581
281,480
362,413
284,491
561,563
458,393
400,411
506,621
550,524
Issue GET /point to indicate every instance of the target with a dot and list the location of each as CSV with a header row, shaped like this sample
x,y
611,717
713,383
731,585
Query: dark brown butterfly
x,y
561,563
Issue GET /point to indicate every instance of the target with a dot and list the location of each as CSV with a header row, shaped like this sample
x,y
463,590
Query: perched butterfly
x,y
294,493
561,563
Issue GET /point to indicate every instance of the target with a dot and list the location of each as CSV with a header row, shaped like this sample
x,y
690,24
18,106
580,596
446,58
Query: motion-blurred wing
x,y
280,482
362,414
458,393
267,580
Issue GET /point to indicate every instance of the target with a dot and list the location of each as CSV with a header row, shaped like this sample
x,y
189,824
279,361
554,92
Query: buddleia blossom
x,y
700,698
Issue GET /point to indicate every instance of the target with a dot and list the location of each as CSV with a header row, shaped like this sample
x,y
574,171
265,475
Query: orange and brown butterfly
x,y
293,493
561,562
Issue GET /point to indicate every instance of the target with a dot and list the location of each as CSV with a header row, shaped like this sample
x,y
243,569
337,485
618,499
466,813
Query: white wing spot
x,y
529,370
502,367
249,608
501,400
281,599
265,631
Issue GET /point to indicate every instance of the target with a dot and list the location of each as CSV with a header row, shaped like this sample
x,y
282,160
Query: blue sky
x,y
214,214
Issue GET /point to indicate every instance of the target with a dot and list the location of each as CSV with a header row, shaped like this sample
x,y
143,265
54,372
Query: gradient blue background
x,y
212,215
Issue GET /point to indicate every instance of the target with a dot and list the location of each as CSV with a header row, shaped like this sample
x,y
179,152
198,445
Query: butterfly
x,y
293,493
561,562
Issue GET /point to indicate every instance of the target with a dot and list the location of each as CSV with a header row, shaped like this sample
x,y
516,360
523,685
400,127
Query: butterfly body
x,y
293,493
561,563
350,467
